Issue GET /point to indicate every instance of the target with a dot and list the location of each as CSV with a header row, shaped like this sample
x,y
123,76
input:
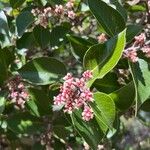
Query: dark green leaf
x,y
26,41
141,73
79,45
4,31
3,67
23,21
109,18
101,58
120,9
124,97
2,101
58,34
107,84
41,36
25,123
43,70
104,110
90,131
16,3
40,103
132,31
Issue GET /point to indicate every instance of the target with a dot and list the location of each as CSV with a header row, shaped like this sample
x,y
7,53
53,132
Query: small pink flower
x,y
69,5
140,39
131,54
59,9
87,75
102,38
71,14
87,113
73,93
146,50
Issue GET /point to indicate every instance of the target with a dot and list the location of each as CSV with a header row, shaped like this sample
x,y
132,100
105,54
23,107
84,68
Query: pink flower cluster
x,y
131,54
43,15
74,95
139,44
102,38
17,92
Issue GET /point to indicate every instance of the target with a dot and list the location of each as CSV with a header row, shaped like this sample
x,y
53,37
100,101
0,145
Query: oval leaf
x,y
23,21
43,71
101,58
140,72
109,18
90,131
124,97
104,110
41,36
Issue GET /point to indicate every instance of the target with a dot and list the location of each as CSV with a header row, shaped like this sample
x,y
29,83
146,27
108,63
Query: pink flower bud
x,y
102,38
87,113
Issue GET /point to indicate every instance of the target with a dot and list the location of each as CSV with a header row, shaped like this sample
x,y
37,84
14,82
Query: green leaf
x,y
2,101
43,71
26,41
104,110
40,103
3,67
132,31
107,84
41,36
146,106
22,123
58,34
120,8
141,73
16,3
4,31
102,58
90,131
109,18
23,21
79,45
124,97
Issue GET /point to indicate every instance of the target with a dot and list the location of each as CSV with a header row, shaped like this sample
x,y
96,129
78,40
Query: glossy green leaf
x,y
141,73
42,71
57,35
120,8
107,84
3,67
132,31
26,41
23,21
79,46
41,36
2,101
109,18
104,110
90,131
40,103
124,97
146,106
16,3
4,31
101,58
22,123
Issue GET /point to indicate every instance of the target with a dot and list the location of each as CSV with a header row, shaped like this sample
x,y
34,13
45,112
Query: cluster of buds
x,y
123,75
139,44
17,92
74,94
102,38
43,15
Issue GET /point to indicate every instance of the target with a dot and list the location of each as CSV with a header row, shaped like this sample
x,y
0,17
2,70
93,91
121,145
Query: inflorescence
x,y
74,94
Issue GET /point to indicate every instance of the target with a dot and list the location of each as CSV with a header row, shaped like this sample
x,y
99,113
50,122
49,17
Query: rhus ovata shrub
x,y
70,69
